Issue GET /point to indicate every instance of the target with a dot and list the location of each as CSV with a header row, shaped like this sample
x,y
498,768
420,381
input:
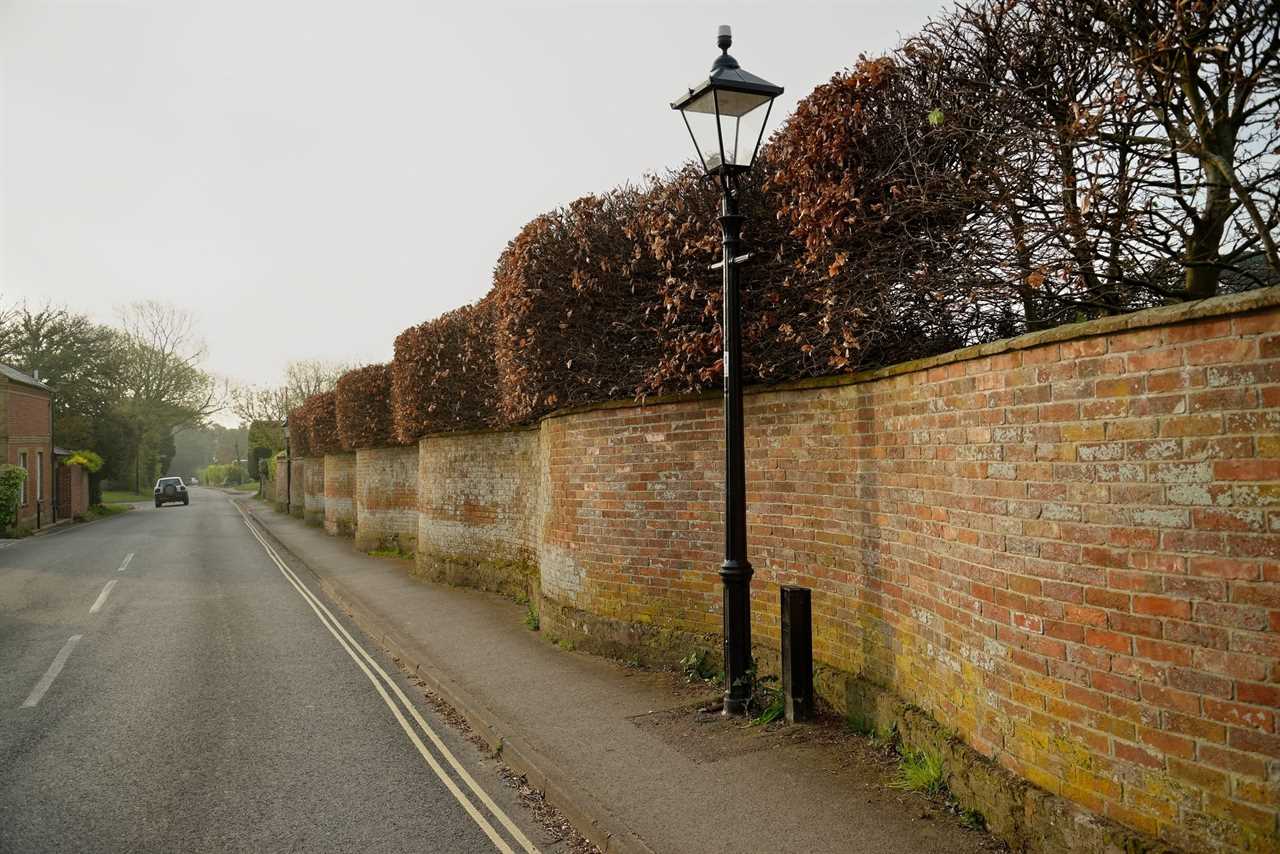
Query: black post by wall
x,y
797,653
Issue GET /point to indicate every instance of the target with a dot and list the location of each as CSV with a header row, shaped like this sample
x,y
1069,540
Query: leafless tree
x,y
1207,73
303,378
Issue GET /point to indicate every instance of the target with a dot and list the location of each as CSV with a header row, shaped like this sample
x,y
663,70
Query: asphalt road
x,y
207,705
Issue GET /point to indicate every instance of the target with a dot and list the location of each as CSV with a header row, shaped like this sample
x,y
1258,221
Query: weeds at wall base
x,y
1014,810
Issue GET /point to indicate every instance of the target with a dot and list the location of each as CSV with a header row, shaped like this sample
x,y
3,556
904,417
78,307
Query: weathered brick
x,y
1075,538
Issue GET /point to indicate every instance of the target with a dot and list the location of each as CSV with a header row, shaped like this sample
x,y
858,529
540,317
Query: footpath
x,y
622,753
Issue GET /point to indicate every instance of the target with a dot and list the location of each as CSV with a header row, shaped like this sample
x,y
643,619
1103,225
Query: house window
x,y
39,476
22,464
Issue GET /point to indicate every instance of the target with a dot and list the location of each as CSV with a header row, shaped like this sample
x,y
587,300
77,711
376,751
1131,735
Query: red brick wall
x,y
280,493
297,486
1064,550
1064,547
75,480
313,491
339,494
387,498
477,509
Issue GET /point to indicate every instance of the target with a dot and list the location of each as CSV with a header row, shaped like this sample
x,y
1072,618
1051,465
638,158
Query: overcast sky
x,y
312,177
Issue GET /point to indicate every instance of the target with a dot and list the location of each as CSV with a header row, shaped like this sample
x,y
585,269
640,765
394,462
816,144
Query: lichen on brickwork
x,y
1060,549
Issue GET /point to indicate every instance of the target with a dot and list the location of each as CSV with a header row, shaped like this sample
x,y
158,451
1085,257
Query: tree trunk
x,y
1201,257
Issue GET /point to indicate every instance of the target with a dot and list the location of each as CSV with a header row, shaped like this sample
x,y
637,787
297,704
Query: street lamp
x,y
726,116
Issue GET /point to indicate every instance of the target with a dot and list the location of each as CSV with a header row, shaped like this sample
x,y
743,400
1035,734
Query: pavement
x,y
622,752
166,686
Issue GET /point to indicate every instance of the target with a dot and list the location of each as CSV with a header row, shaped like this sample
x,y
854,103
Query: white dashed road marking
x,y
125,565
102,597
52,673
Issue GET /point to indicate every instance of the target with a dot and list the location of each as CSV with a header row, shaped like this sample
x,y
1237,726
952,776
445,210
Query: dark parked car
x,y
171,490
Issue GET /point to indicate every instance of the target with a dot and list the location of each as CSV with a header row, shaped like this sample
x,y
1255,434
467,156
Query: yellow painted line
x,y
369,666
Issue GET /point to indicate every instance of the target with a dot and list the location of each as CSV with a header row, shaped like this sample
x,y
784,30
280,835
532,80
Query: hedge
x,y
855,220
11,480
299,434
363,407
444,376
577,307
319,422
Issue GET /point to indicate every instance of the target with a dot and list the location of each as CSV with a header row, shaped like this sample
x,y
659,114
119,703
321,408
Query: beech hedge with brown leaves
x,y
576,308
318,426
299,436
612,297
884,223
363,407
444,375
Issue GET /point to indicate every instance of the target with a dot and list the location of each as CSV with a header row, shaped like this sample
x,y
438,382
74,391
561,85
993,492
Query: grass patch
x,y
102,511
391,552
973,820
921,771
17,532
531,618
860,724
881,738
776,708
120,496
251,486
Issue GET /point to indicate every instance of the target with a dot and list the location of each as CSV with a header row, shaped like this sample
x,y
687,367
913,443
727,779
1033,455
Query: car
x,y
171,490
195,481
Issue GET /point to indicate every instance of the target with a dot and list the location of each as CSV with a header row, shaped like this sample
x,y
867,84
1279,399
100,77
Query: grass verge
x,y
118,496
102,511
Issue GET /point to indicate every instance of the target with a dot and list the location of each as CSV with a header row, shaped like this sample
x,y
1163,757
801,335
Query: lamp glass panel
x,y
703,128
741,133
740,120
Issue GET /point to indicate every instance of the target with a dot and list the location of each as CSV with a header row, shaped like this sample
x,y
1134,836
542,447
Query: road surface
x,y
167,685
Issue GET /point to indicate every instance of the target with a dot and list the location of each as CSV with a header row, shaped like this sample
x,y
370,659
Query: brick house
x,y
26,440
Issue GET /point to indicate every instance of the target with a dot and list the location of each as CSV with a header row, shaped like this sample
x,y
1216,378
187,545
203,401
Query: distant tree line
x,y
121,391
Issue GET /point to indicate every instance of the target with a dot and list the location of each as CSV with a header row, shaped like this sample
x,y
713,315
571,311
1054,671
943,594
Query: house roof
x,y
17,376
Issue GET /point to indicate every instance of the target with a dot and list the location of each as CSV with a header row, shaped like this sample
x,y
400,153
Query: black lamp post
x,y
288,471
726,116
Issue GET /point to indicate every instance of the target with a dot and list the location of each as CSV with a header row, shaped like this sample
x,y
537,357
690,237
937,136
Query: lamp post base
x,y
739,676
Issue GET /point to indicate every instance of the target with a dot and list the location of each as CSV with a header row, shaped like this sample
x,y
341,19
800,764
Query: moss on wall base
x,y
636,643
514,578
405,545
1019,813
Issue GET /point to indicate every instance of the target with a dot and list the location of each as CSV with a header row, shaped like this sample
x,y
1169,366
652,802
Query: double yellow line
x,y
382,682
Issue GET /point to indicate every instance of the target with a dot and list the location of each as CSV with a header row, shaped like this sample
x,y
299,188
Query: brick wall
x,y
280,488
1064,547
75,479
387,498
477,500
339,494
631,528
313,491
297,486
1064,550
